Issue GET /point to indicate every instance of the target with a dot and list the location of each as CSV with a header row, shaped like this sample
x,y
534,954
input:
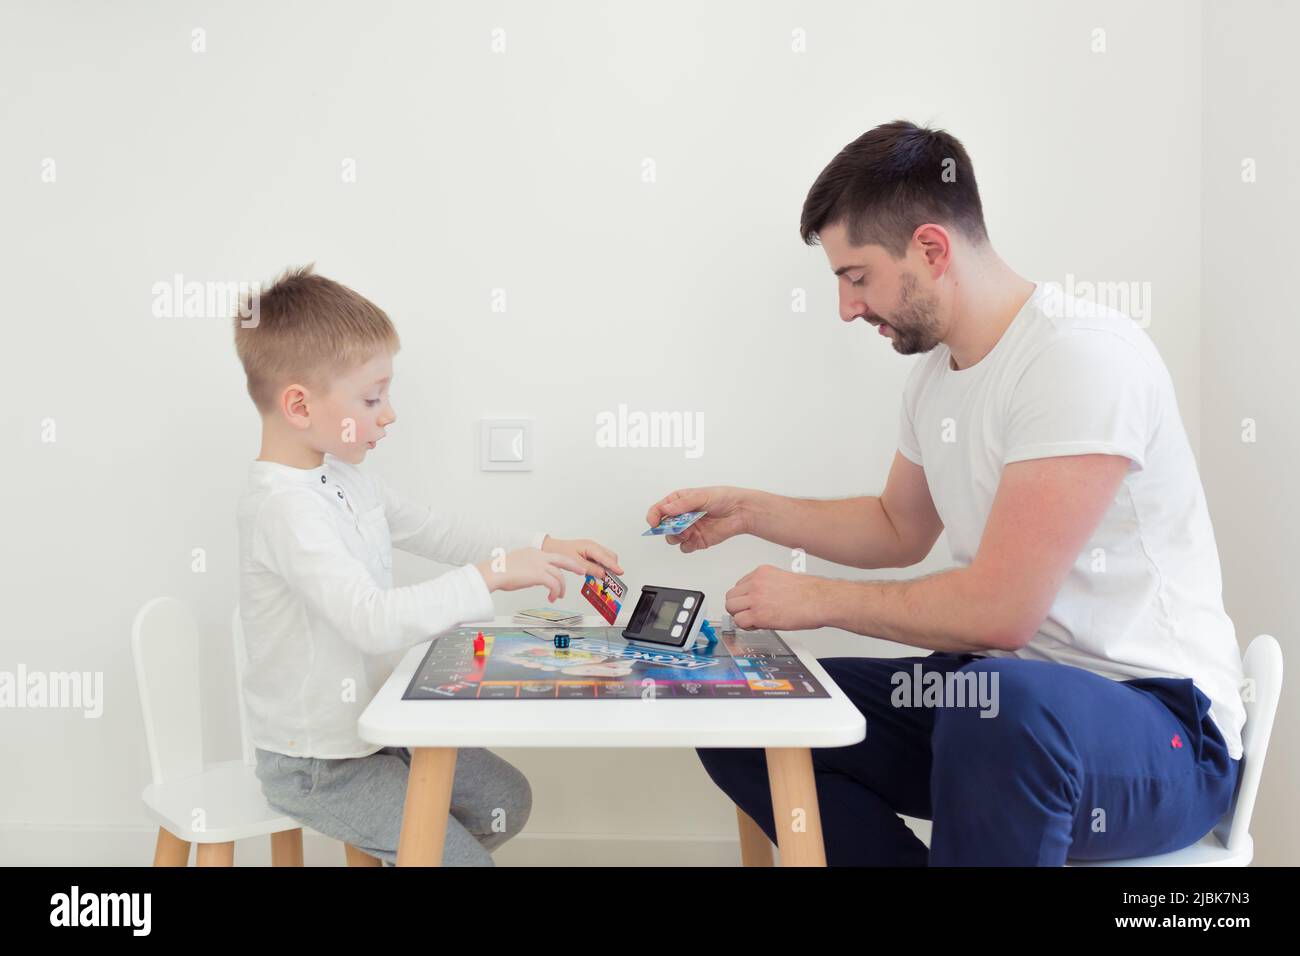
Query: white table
x,y
786,728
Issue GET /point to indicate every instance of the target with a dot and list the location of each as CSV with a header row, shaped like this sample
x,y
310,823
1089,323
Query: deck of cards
x,y
547,617
606,595
676,524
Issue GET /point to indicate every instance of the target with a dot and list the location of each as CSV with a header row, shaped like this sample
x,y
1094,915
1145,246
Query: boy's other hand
x,y
595,557
529,567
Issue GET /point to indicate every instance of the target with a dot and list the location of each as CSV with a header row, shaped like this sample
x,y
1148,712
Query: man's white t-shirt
x,y
323,625
1068,377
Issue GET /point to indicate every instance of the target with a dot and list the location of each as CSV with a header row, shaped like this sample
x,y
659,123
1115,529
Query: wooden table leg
x,y
286,847
794,806
356,857
216,854
755,847
428,801
171,850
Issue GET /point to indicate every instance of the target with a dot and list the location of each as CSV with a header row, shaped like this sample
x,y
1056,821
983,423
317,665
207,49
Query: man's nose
x,y
851,306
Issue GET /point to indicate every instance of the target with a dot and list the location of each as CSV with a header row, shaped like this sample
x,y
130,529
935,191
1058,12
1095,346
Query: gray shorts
x,y
359,800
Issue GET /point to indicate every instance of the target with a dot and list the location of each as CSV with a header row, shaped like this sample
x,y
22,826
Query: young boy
x,y
323,624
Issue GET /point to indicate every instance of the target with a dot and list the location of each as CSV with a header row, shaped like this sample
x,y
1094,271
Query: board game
x,y
525,664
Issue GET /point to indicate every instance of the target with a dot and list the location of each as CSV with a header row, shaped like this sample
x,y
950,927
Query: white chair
x,y
1230,843
211,805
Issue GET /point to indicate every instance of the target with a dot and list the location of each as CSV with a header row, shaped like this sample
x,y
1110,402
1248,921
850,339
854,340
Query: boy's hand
x,y
528,567
595,558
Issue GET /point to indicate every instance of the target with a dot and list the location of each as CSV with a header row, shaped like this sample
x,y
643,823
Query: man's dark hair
x,y
892,179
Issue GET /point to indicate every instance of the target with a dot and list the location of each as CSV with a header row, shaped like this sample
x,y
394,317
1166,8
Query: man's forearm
x,y
947,611
855,532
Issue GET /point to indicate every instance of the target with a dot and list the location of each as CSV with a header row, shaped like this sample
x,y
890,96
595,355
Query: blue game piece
x,y
561,640
706,630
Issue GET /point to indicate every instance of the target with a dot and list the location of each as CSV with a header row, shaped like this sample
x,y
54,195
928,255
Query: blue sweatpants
x,y
1069,764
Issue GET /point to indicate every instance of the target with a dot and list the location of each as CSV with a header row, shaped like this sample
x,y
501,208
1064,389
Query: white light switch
x,y
506,444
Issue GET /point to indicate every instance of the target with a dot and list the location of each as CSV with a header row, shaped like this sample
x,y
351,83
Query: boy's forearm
x,y
491,580
947,611
855,532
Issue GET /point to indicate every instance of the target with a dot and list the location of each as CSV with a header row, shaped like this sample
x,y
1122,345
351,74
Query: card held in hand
x,y
606,595
675,524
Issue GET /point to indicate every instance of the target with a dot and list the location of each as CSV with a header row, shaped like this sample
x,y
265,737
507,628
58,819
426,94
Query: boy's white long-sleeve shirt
x,y
323,625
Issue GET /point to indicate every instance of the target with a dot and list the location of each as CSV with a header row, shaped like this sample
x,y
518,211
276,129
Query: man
x,y
1083,696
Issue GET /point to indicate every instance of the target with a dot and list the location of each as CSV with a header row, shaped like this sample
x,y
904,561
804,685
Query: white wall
x,y
520,171
1250,342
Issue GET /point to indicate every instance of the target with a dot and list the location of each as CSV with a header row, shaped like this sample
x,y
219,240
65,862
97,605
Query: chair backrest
x,y
241,662
165,647
1262,666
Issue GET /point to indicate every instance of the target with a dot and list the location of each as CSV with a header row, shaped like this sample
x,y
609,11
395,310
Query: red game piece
x,y
480,645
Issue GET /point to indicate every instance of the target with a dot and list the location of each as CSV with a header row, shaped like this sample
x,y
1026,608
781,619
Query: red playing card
x,y
601,599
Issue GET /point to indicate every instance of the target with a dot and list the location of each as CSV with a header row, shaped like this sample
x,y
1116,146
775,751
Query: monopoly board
x,y
524,664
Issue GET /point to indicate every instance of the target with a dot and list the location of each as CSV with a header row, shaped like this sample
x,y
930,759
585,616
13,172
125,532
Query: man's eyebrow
x,y
843,269
382,381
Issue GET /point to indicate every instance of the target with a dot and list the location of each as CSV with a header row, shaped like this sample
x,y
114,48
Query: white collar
x,y
288,473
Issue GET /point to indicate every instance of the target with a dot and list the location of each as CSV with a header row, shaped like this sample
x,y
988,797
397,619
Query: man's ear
x,y
935,245
294,406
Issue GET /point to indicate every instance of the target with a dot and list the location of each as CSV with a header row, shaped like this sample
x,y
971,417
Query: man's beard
x,y
916,320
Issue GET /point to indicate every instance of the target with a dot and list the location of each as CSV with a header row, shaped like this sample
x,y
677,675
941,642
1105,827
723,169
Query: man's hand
x,y
594,557
768,597
727,516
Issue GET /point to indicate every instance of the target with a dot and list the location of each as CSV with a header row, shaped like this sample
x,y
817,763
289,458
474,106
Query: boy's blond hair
x,y
309,330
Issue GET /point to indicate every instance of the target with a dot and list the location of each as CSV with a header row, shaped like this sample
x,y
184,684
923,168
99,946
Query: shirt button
x,y
322,479
340,493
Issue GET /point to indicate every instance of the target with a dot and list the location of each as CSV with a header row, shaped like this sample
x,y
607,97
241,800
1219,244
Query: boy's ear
x,y
293,405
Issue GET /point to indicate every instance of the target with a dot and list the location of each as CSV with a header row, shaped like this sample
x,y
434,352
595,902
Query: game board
x,y
599,664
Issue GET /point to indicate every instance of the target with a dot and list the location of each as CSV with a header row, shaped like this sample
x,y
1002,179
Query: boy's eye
x,y
371,402
857,281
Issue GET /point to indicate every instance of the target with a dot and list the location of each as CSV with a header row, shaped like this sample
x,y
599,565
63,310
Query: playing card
x,y
606,595
676,524
614,585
